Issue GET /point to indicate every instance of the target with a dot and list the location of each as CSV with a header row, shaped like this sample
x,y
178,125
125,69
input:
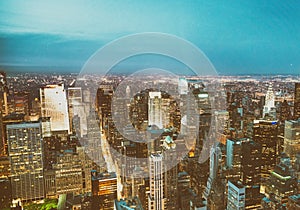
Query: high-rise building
x,y
139,110
234,158
203,106
184,185
269,107
297,101
86,166
26,159
222,124
251,173
54,104
284,112
292,138
103,102
21,103
183,86
243,160
155,112
265,133
159,109
3,93
216,199
93,149
68,173
74,100
236,196
156,199
171,175
282,183
215,156
104,190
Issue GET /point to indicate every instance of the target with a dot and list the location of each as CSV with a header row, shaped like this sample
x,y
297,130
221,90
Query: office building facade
x,y
25,154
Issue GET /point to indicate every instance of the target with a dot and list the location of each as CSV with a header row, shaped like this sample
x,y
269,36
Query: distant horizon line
x,y
64,70
15,73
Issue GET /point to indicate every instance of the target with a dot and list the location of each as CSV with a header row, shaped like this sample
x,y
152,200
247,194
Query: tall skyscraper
x,y
265,133
269,107
251,173
93,149
155,112
183,86
184,185
236,196
234,158
292,138
54,104
74,100
284,112
215,155
243,160
297,101
25,154
3,93
156,199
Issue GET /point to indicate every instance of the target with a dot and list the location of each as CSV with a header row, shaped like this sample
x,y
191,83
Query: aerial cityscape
x,y
149,105
51,155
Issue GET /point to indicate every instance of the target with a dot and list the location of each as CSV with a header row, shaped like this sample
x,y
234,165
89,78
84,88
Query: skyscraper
x,y
155,115
183,86
297,101
54,104
25,153
251,173
243,160
74,100
234,158
282,183
292,138
156,199
93,149
284,112
269,107
68,173
265,133
3,93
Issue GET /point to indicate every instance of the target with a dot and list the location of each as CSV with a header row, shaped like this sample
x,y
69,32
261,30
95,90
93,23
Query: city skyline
x,y
143,150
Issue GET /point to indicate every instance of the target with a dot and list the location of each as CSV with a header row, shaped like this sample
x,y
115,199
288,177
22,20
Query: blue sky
x,y
239,37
